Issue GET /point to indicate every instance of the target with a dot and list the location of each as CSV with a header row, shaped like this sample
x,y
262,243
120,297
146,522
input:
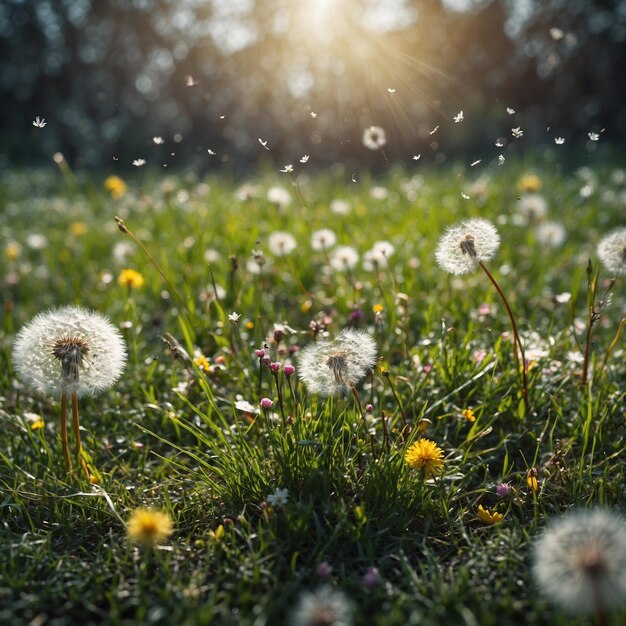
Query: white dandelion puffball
x,y
580,561
374,137
612,251
343,258
281,243
323,239
462,246
69,349
325,606
279,196
329,367
532,206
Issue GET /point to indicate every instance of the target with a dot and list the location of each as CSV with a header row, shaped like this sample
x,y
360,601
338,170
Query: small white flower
x,y
593,136
323,239
247,407
279,498
139,162
344,258
287,169
463,246
234,317
158,140
39,123
69,349
559,141
374,137
458,117
281,243
517,132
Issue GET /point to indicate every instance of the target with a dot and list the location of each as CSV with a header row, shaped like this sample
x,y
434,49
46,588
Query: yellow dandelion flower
x,y
78,229
485,515
115,186
130,278
425,455
532,482
377,308
529,183
202,362
12,251
149,527
249,325
37,424
468,414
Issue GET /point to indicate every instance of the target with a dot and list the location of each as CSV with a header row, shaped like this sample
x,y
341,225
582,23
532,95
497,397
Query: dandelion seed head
x,y
580,560
281,243
532,207
344,258
323,607
323,239
279,196
462,246
340,207
69,349
551,234
374,138
612,251
329,367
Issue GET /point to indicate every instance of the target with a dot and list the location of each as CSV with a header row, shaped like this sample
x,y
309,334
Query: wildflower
x,y
377,308
323,239
139,162
115,186
532,206
426,456
130,278
532,482
149,527
551,234
78,229
371,578
468,414
281,243
580,562
344,258
289,369
329,367
69,349
485,515
458,117
374,137
462,247
12,250
37,424
218,533
202,362
266,403
39,123
323,571
529,183
339,206
323,607
612,251
503,490
278,498
234,317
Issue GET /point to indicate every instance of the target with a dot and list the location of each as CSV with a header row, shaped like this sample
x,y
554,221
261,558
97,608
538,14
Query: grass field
x,y
182,431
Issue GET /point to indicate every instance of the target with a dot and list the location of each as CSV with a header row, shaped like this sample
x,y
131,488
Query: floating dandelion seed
x,y
580,562
313,114
71,351
426,456
324,607
458,117
139,162
465,196
391,90
331,367
263,143
304,158
499,143
374,137
501,159
612,251
190,81
416,157
434,130
476,162
211,152
559,141
39,123
287,169
556,33
462,247
510,111
149,527
517,132
157,140
593,136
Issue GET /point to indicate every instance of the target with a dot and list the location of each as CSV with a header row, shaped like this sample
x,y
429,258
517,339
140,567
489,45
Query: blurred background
x,y
305,76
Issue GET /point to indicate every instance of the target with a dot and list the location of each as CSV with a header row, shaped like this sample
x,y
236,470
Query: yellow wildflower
x,y
202,362
485,515
468,414
12,251
149,527
249,325
78,229
377,308
530,183
115,186
37,424
130,278
425,455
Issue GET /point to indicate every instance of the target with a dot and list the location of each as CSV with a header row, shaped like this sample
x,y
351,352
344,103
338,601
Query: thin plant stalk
x,y
64,439
395,395
76,426
355,393
279,391
516,337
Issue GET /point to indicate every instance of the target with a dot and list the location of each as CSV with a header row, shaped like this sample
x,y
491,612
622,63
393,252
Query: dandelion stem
x,y
395,395
355,393
76,426
516,339
66,446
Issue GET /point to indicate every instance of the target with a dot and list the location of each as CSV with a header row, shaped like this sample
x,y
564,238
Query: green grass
x,y
169,435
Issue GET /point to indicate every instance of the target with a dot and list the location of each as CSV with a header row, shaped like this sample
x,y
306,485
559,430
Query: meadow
x,y
275,492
